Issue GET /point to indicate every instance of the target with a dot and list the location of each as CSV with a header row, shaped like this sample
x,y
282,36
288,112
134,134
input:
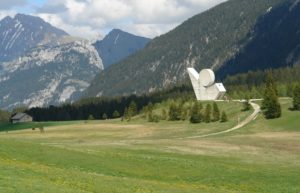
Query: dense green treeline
x,y
252,84
106,108
183,109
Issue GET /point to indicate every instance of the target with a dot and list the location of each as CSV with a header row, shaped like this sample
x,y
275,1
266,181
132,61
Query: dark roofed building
x,y
21,118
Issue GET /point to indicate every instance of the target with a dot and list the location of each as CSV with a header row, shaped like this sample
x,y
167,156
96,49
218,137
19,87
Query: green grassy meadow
x,y
140,157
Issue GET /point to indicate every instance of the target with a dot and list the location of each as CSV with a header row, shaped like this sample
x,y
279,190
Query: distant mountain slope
x,y
23,32
274,42
117,45
206,40
42,65
49,75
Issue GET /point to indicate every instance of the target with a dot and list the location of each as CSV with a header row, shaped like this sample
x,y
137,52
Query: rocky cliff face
x,y
42,65
49,74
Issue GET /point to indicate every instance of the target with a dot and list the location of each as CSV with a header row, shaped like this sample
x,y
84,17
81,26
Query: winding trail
x,y
250,118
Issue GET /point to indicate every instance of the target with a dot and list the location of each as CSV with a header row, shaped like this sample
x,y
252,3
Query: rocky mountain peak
x,y
118,45
23,32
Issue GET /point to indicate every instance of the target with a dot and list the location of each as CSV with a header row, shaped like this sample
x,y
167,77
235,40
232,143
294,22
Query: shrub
x,y
224,117
164,114
116,114
196,115
175,112
154,118
216,112
246,104
296,98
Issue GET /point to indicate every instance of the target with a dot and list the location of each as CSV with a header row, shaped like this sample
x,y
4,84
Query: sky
x,y
92,19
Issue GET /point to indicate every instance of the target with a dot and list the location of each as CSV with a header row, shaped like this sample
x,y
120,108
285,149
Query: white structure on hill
x,y
204,85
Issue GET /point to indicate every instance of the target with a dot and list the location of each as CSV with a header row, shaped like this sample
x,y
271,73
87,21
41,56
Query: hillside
x,y
118,45
206,40
274,42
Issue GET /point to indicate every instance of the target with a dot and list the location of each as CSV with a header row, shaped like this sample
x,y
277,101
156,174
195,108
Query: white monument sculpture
x,y
204,85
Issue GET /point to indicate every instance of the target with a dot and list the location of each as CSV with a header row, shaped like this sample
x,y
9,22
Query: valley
x,y
137,156
150,96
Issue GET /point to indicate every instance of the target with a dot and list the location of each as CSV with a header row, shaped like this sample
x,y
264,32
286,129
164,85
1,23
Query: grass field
x,y
35,125
114,156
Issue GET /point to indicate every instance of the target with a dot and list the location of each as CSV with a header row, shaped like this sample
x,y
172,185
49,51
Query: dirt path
x,y
250,118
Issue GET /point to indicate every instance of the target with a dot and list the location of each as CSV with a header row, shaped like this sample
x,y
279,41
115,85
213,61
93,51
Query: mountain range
x,y
41,65
235,36
49,75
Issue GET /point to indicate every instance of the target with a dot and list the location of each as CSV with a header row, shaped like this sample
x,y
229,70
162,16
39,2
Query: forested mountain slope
x,y
118,45
205,40
274,42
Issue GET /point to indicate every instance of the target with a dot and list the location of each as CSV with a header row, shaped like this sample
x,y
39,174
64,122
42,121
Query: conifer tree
x,y
127,115
200,106
207,114
116,114
132,108
216,112
147,111
196,116
246,104
296,98
164,115
153,117
174,112
290,90
184,113
255,93
271,105
130,111
224,117
150,115
91,117
150,107
104,116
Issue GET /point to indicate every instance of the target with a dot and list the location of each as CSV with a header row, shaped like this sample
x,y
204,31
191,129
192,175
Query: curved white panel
x,y
207,77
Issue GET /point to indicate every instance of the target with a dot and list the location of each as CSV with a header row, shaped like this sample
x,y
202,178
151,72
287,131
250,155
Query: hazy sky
x,y
92,18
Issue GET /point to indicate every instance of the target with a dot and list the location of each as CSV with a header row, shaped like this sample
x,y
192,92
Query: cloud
x,y
7,4
59,8
7,13
84,31
149,18
148,30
